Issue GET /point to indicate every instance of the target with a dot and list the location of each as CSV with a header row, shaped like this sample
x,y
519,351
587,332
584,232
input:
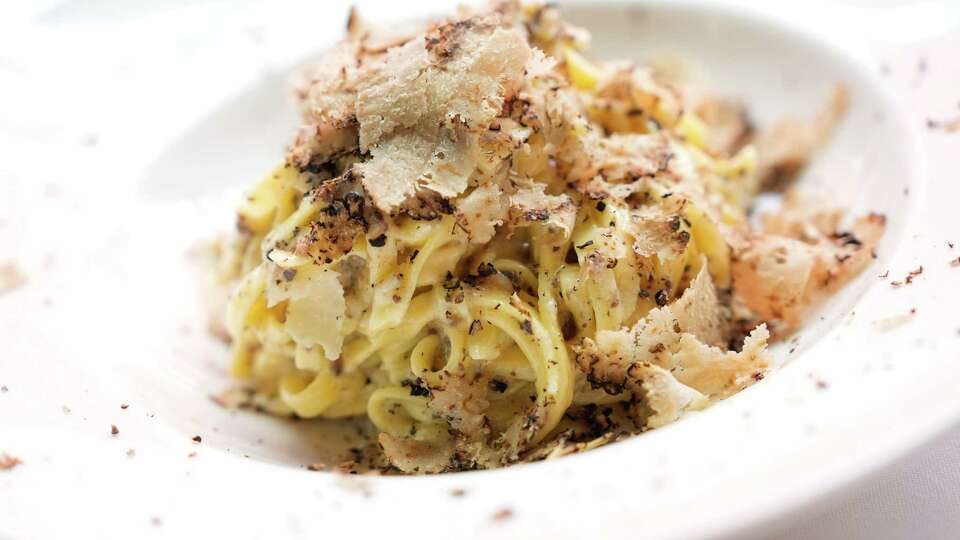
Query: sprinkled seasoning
x,y
526,326
661,297
908,279
475,327
486,269
416,388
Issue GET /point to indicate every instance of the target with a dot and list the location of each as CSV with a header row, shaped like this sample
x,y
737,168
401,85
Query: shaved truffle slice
x,y
416,113
698,310
477,66
530,206
658,235
729,125
657,398
665,399
848,252
649,341
396,95
548,105
480,212
327,91
459,73
780,278
666,369
327,88
413,456
318,143
397,168
627,158
463,402
771,276
717,373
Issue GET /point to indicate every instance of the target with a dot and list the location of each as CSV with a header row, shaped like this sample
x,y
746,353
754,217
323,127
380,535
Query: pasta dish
x,y
496,249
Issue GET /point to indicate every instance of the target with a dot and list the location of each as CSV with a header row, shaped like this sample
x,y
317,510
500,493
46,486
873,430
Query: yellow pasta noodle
x,y
492,248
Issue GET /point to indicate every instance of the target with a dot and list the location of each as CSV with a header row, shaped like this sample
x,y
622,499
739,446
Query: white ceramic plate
x,y
111,315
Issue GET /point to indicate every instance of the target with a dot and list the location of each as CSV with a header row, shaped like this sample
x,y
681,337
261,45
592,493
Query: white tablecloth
x,y
916,498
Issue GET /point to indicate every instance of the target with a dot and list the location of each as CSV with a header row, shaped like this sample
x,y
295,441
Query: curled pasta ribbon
x,y
393,410
426,353
546,355
313,389
392,295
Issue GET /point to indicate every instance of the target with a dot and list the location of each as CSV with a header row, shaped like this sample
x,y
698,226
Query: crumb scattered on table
x,y
908,279
11,277
947,126
232,398
8,462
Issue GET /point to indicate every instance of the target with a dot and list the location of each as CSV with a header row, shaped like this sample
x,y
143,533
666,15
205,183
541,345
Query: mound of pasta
x,y
497,250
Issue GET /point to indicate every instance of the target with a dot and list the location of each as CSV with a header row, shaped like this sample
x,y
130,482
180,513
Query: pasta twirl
x,y
495,249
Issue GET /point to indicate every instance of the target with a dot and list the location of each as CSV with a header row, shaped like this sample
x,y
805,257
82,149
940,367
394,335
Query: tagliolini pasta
x,y
497,250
